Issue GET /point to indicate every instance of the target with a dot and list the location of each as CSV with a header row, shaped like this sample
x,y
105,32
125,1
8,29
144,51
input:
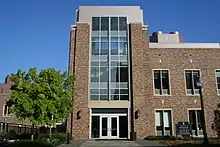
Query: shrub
x,y
29,144
56,138
161,138
24,136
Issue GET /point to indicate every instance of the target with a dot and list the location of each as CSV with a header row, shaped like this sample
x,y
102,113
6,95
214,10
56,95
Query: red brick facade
x,y
144,60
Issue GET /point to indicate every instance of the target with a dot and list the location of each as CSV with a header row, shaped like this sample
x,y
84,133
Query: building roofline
x,y
185,45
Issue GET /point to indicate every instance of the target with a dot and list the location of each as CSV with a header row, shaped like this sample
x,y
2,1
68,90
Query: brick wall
x,y
80,54
144,60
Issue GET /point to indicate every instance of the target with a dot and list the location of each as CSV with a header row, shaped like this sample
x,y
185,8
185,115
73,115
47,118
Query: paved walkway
x,y
111,143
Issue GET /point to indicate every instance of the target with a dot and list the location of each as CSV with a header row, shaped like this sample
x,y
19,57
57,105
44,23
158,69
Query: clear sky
x,y
35,33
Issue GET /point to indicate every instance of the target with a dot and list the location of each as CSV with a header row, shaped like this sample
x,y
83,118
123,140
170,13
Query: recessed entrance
x,y
109,125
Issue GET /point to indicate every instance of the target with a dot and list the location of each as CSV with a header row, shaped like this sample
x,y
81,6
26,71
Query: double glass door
x,y
109,127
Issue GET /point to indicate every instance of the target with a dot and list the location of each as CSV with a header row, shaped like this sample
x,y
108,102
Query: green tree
x,y
42,98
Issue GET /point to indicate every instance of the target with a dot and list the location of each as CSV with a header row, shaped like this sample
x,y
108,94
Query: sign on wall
x,y
183,128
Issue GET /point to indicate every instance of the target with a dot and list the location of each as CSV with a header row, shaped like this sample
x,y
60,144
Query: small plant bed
x,y
56,138
28,144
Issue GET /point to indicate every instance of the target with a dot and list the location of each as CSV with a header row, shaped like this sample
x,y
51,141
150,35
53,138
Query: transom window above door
x,y
161,82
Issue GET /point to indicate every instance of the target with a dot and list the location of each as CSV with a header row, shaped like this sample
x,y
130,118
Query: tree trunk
x,y
50,131
32,133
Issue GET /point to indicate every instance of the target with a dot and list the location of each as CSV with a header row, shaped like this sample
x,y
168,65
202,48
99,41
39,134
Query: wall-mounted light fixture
x,y
137,114
79,114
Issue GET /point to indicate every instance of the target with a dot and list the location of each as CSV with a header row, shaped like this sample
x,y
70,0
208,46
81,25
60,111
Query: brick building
x,y
9,121
127,82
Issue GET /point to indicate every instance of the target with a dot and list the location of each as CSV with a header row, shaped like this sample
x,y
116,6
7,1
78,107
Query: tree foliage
x,y
46,97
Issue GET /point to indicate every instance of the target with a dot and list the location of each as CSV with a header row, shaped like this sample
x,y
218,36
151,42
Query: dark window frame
x,y
190,81
159,82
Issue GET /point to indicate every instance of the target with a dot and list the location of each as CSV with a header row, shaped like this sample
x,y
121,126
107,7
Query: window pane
x,y
94,74
94,91
104,48
123,63
218,85
114,48
103,63
158,118
95,23
188,75
94,63
95,48
114,45
123,74
104,91
94,97
114,23
195,78
103,97
123,48
115,91
122,23
95,129
167,118
123,39
103,74
217,73
104,23
123,97
95,39
114,63
114,97
104,39
123,91
199,116
157,82
114,39
115,74
5,110
165,82
192,119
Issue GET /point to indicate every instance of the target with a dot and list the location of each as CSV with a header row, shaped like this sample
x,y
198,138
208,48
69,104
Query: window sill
x,y
192,95
6,116
163,95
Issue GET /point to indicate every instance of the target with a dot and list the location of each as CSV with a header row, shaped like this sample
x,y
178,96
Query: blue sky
x,y
35,33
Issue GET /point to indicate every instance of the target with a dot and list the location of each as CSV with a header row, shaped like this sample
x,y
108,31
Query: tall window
x,y
6,111
191,79
217,73
109,59
163,122
195,119
161,82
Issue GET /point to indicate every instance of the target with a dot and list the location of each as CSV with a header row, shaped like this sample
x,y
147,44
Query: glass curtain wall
x,y
109,59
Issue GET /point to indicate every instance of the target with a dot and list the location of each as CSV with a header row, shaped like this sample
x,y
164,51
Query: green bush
x,y
29,144
161,138
56,138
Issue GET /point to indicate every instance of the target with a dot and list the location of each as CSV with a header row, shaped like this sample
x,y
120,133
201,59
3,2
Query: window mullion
x,y
197,128
161,84
163,133
99,58
109,59
193,88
